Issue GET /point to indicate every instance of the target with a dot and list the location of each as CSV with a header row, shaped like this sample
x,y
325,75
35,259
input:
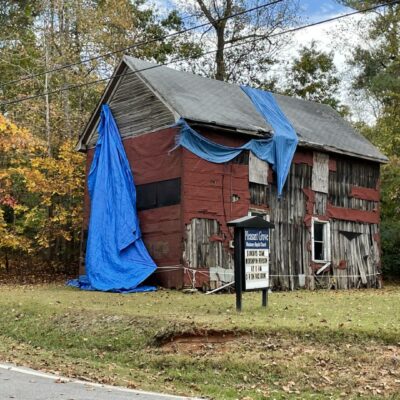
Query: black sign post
x,y
264,297
238,260
251,256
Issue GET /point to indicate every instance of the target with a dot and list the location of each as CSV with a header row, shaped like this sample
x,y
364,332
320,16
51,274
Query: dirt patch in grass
x,y
199,341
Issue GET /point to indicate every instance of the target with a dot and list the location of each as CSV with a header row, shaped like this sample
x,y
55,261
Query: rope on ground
x,y
193,271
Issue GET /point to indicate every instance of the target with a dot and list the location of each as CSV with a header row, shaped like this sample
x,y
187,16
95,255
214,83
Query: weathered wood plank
x,y
320,172
258,170
136,109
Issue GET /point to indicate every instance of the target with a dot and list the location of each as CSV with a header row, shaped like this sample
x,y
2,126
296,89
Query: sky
x,y
315,10
312,10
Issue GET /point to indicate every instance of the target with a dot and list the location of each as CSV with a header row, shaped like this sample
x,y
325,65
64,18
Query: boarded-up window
x,y
158,194
320,173
258,170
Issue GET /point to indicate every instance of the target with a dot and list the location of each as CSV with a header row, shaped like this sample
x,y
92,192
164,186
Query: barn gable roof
x,y
209,101
200,99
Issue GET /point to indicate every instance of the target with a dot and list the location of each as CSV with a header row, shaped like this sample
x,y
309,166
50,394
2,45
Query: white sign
x,y
256,253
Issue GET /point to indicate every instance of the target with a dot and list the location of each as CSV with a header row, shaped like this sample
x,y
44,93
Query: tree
x,y
378,77
53,33
313,76
40,199
378,66
245,45
15,144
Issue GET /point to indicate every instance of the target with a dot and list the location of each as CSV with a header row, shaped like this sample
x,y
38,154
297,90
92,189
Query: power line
x,y
142,43
118,75
203,54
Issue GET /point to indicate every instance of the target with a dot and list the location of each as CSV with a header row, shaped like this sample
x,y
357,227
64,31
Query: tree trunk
x,y
46,77
219,57
47,101
7,264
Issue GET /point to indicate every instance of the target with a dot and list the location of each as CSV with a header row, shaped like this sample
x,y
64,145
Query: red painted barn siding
x,y
162,234
208,187
150,156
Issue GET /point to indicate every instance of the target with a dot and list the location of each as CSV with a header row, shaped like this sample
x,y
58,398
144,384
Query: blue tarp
x,y
116,257
277,151
83,283
285,138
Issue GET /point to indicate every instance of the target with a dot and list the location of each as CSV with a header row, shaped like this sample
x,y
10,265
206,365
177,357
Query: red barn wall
x,y
207,190
208,187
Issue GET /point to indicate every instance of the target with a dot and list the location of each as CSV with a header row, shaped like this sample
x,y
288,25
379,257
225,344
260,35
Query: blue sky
x,y
311,10
314,10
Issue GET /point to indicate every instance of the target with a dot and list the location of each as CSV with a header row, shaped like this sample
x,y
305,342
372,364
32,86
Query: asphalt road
x,y
26,384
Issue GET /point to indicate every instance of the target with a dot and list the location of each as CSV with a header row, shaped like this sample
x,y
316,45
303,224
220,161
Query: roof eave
x,y
260,133
333,149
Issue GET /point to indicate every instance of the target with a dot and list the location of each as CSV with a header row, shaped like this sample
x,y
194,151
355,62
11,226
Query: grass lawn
x,y
305,345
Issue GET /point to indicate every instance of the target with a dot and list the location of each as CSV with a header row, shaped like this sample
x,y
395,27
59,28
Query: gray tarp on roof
x,y
210,101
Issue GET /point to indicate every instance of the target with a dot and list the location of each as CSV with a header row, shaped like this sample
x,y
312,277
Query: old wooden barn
x,y
326,225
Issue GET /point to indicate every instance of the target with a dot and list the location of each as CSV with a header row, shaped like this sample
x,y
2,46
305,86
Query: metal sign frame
x,y
252,224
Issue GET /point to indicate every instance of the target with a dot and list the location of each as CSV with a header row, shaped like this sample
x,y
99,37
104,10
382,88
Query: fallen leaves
x,y
119,340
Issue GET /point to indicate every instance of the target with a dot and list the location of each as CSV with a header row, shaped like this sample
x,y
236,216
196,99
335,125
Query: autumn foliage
x,y
40,201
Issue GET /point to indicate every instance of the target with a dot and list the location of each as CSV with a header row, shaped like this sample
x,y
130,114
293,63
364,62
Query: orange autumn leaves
x,y
40,195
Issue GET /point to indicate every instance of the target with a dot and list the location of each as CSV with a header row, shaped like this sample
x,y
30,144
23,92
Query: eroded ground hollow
x,y
197,340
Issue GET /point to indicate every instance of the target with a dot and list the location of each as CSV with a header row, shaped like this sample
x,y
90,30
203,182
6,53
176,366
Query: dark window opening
x,y
318,232
158,194
319,251
258,194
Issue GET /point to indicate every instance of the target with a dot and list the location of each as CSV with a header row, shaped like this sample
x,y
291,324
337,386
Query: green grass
x,y
304,345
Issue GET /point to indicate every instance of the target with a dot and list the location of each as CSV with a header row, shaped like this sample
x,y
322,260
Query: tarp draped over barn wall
x,y
285,138
278,151
116,257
